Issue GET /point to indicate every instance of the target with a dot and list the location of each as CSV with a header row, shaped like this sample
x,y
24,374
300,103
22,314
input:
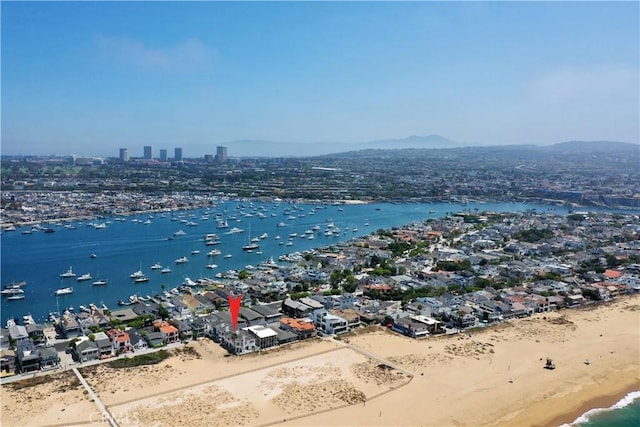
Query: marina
x,y
123,246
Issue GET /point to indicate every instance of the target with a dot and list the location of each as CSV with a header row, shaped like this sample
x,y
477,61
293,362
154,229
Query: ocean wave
x,y
625,401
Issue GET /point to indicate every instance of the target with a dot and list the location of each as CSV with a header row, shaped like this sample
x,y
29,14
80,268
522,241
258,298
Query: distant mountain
x,y
263,148
593,147
413,141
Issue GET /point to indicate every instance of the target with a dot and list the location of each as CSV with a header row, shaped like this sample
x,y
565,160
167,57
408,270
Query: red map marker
x,y
234,307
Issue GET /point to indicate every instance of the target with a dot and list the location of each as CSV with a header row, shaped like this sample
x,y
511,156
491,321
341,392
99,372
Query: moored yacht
x,y
68,273
84,277
63,291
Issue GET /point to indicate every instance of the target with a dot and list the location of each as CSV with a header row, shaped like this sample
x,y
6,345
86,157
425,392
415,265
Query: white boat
x,y
222,224
214,252
84,277
182,260
100,282
12,291
264,236
63,291
179,233
212,266
228,256
141,279
250,247
68,273
235,230
137,274
15,297
165,270
195,252
156,266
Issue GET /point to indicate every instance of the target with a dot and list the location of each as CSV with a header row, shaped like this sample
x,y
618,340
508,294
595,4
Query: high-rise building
x,y
163,154
148,155
124,155
221,153
177,155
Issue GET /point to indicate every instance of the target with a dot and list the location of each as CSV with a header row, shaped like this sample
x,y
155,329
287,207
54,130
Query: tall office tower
x,y
163,154
177,157
221,153
147,152
124,155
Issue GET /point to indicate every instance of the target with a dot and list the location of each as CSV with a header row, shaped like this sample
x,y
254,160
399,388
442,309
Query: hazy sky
x,y
89,78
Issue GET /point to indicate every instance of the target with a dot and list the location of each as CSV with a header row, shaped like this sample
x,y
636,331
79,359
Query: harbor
x,y
121,246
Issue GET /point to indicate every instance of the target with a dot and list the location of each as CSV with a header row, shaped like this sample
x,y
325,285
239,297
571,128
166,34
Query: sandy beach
x,y
493,376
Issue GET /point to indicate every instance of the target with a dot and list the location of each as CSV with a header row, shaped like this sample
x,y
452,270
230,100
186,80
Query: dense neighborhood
x,y
439,276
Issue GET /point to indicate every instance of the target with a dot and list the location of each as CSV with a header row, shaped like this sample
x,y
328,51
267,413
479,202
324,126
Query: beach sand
x,y
493,376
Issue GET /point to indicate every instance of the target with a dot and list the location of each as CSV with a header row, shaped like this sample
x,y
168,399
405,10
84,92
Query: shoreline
x,y
604,402
576,404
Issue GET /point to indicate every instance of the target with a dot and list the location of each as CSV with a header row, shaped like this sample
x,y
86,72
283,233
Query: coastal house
x,y
28,357
268,311
18,334
265,336
120,340
294,308
170,333
155,339
86,350
185,331
36,333
240,342
200,326
7,361
303,328
5,342
105,347
137,340
49,358
329,323
251,317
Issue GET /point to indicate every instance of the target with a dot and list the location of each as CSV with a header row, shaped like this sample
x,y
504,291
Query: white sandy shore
x,y
492,377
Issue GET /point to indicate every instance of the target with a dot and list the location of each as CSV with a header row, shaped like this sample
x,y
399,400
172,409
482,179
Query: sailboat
x,y
253,243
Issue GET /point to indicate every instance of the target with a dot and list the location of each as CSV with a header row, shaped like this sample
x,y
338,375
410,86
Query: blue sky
x,y
89,78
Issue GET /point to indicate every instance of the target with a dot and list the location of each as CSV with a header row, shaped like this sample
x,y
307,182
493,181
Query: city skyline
x,y
478,73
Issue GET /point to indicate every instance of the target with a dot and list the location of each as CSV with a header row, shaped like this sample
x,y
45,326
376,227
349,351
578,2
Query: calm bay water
x,y
124,247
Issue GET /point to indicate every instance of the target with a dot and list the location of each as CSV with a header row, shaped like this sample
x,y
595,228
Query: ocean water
x,y
625,413
129,245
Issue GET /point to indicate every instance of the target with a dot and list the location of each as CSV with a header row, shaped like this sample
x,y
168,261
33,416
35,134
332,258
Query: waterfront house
x,y
49,358
28,357
329,323
185,331
86,350
155,339
36,333
200,326
8,361
18,334
170,333
294,308
5,342
269,312
120,340
136,340
265,336
240,342
303,328
105,347
251,317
